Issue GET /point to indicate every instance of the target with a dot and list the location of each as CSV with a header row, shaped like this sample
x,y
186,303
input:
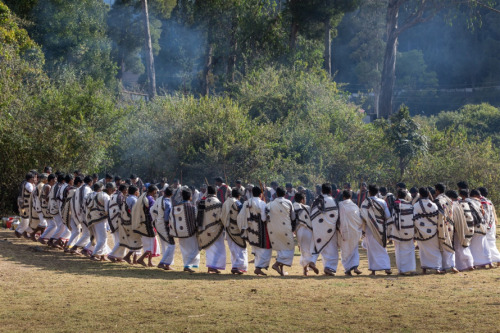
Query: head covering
x,y
219,179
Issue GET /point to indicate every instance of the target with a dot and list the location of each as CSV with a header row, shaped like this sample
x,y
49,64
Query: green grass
x,y
50,291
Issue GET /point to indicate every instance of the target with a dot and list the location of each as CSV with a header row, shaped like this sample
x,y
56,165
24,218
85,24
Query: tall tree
x,y
150,63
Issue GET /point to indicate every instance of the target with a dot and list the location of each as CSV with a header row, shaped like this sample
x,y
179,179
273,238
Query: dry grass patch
x,y
46,290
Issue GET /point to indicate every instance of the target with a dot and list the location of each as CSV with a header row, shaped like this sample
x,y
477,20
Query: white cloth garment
x,y
118,252
480,250
430,254
24,225
305,238
239,256
216,254
151,245
491,242
262,257
463,256
43,221
168,251
101,246
448,259
62,232
350,233
378,259
405,256
84,240
189,251
285,256
330,254
75,233
50,230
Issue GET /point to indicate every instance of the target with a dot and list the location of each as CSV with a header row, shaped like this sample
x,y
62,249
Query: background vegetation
x,y
256,90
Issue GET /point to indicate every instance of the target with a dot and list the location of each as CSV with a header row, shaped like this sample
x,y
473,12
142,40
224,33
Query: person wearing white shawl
x,y
237,245
401,230
478,244
445,227
463,232
252,223
280,215
350,230
324,217
491,224
62,233
44,202
426,217
211,231
116,202
160,212
97,216
304,234
67,211
36,208
128,238
27,187
142,224
182,225
375,214
80,218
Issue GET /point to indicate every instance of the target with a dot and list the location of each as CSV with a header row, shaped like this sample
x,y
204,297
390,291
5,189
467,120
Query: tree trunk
x,y
293,35
208,69
150,63
388,76
328,47
231,63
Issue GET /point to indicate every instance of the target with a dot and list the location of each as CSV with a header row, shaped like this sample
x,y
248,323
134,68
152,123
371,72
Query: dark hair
x,y
78,180
168,192
87,179
280,192
77,171
97,186
346,194
383,190
424,192
452,194
372,189
108,176
186,194
235,193
210,189
117,178
122,187
60,178
29,176
219,179
95,175
287,185
110,185
256,191
133,176
440,187
347,184
401,185
464,193
299,197
47,169
51,176
69,177
462,185
326,188
132,189
414,190
334,187
152,188
475,193
483,191
401,194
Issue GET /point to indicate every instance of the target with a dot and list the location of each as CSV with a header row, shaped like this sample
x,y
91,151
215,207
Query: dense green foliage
x,y
272,112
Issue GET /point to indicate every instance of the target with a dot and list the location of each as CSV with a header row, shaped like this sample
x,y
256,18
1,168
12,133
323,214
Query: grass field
x,y
46,290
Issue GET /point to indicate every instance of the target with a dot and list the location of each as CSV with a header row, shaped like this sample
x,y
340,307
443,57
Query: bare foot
x,y
213,271
127,259
373,273
348,273
161,266
140,261
167,268
306,271
388,272
189,270
258,271
278,267
313,267
454,270
357,271
329,272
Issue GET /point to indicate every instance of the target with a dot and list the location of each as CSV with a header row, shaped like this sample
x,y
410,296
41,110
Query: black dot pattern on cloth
x,y
320,220
332,215
330,231
429,231
318,240
181,227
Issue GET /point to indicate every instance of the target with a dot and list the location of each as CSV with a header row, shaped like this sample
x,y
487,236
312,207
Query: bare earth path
x,y
46,290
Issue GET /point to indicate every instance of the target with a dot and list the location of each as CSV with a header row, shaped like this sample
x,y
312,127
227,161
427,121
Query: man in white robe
x,y
160,213
491,224
478,244
67,211
375,214
182,225
62,234
129,240
237,245
279,226
36,209
142,224
97,216
463,232
55,241
304,234
401,230
211,231
350,230
44,202
426,217
116,202
324,217
252,223
445,227
80,216
27,187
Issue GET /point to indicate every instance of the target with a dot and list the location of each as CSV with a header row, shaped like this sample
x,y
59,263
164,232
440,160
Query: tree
x,y
150,63
404,136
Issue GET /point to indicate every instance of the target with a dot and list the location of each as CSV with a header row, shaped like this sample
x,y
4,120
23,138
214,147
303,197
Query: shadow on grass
x,y
39,256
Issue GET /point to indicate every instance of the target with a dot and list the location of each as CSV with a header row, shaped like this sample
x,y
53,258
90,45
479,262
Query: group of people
x,y
454,230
